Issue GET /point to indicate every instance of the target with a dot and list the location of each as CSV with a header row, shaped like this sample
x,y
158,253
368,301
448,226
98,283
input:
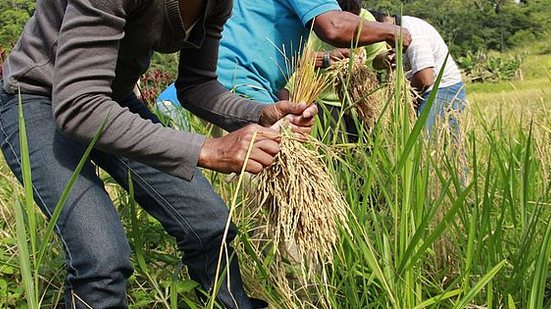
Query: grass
x,y
431,225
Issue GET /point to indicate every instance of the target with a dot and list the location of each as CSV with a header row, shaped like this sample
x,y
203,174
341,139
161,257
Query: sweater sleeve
x,y
198,88
85,66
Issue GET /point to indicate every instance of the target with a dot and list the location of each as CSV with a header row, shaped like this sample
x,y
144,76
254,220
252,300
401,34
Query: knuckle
x,y
239,157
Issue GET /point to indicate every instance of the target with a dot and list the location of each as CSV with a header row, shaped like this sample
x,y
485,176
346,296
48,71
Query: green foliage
x,y
484,67
13,16
422,234
477,24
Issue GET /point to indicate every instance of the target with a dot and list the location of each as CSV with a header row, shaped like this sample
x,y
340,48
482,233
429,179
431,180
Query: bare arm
x,y
340,29
422,80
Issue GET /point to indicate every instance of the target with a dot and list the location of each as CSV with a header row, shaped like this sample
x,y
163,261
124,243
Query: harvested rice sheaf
x,y
358,86
306,208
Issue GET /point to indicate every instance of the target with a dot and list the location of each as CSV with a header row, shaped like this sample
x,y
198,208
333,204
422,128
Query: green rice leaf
x,y
463,303
24,257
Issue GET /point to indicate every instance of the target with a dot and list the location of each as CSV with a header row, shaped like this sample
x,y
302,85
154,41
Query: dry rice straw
x,y
357,87
306,209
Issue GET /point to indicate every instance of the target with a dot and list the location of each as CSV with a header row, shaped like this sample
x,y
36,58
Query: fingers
x,y
230,152
268,146
253,167
271,133
345,52
303,123
310,111
264,149
293,108
300,117
260,159
262,155
340,53
300,121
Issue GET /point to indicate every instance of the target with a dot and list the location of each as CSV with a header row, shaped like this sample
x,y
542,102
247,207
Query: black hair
x,y
379,16
352,6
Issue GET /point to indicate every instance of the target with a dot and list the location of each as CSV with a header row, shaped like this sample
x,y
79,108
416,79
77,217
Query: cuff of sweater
x,y
255,111
191,149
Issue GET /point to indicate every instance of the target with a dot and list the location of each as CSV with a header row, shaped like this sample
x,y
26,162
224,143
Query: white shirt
x,y
428,49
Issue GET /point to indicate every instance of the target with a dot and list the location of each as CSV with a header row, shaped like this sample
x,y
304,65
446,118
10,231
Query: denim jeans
x,y
451,98
96,248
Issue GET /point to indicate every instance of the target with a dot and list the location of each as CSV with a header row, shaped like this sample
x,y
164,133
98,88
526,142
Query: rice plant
x,y
429,224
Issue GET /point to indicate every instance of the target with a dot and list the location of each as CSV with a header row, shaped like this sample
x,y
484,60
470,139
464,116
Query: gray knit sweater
x,y
86,54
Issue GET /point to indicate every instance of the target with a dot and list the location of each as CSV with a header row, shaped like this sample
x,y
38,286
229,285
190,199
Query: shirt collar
x,y
174,21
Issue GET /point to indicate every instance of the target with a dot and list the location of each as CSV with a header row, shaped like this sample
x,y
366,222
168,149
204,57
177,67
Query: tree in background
x,y
13,15
473,25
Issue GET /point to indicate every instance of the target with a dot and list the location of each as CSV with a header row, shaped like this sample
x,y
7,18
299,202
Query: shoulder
x,y
416,24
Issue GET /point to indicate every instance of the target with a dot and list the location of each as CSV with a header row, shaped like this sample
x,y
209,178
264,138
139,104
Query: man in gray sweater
x,y
75,66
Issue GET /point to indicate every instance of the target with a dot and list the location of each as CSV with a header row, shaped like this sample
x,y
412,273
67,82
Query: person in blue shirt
x,y
261,36
167,104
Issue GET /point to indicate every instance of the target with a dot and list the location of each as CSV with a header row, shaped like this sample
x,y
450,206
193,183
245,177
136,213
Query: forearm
x,y
198,88
212,102
422,80
341,29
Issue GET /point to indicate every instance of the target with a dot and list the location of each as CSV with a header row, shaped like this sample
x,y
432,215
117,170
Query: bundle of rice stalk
x,y
357,87
408,98
306,209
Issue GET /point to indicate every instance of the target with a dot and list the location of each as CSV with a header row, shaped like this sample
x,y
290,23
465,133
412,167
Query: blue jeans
x,y
447,99
96,248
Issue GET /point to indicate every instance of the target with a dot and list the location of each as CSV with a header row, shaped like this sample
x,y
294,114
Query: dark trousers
x,y
97,251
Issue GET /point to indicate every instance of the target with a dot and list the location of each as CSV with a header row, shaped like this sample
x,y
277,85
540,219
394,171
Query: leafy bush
x,y
13,16
481,67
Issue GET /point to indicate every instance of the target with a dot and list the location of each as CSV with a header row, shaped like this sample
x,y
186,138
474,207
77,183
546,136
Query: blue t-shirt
x,y
169,94
252,60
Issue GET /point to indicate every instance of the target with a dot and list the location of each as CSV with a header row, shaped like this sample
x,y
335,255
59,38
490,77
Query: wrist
x,y
270,114
326,60
319,60
205,155
396,34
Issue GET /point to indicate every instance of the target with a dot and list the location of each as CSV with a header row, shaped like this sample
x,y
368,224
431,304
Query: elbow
x,y
334,35
333,30
64,125
330,34
71,119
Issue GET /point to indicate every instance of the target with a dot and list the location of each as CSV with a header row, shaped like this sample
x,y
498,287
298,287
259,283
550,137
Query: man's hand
x,y
331,57
300,116
338,54
400,33
227,154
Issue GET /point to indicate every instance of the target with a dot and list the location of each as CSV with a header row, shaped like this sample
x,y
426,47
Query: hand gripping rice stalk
x,y
305,207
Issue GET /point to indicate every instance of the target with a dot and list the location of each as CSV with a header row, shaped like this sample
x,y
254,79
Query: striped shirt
x,y
428,50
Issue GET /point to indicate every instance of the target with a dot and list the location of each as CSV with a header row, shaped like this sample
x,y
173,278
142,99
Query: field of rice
x,y
446,222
